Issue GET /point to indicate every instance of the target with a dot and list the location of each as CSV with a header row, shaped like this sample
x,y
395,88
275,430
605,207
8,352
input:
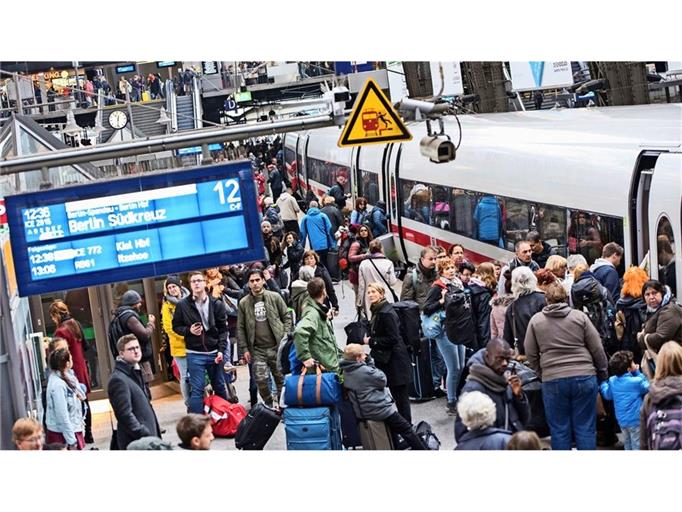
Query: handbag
x,y
432,325
357,330
648,365
323,388
225,417
395,297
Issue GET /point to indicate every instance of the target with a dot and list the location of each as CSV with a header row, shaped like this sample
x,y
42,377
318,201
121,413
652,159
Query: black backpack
x,y
599,307
408,316
460,326
116,331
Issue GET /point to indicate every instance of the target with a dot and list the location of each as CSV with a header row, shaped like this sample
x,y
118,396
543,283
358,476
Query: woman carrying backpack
x,y
631,311
661,413
453,354
359,216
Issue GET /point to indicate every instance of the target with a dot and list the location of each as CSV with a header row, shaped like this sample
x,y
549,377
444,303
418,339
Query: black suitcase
x,y
257,428
410,322
350,436
532,387
421,388
333,264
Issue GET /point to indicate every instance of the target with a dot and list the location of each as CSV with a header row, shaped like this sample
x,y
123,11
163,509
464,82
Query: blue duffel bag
x,y
303,390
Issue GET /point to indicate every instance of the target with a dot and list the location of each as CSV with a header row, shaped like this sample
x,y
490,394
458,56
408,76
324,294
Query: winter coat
x,y
542,257
334,215
323,274
357,253
288,207
512,412
378,220
339,196
480,303
515,263
130,400
626,391
294,254
367,390
488,220
275,311
314,337
76,348
175,341
298,298
64,413
634,313
215,337
561,342
375,269
665,324
131,323
498,311
359,217
487,439
604,272
275,180
316,226
519,313
660,391
416,285
385,337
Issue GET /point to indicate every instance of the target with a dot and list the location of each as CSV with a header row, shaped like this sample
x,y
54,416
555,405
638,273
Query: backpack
x,y
602,313
225,417
459,322
275,220
284,354
410,321
116,331
664,425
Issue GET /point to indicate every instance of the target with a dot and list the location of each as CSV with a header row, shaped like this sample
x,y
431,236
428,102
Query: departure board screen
x,y
131,228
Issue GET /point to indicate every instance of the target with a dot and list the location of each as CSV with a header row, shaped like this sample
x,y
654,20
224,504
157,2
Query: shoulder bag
x,y
395,297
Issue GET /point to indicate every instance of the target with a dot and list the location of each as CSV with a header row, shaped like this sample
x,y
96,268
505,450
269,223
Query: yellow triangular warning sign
x,y
373,120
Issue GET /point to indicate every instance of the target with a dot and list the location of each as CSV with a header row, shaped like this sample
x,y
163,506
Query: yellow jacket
x,y
176,342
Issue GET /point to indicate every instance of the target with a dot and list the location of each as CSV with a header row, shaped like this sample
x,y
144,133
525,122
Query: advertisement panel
x,y
527,76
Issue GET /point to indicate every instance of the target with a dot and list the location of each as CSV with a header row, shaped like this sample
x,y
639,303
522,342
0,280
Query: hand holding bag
x,y
356,331
323,388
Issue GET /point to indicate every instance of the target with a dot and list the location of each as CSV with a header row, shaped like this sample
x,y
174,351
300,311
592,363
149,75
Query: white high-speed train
x,y
580,177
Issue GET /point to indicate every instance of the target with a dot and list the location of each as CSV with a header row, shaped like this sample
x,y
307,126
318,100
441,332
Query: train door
x,y
664,232
355,177
391,170
301,165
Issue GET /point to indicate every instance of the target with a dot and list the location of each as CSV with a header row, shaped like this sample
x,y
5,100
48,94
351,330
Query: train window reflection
x,y
665,245
416,201
462,212
369,186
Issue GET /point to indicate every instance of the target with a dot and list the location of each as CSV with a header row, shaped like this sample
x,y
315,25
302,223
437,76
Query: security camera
x,y
438,148
338,97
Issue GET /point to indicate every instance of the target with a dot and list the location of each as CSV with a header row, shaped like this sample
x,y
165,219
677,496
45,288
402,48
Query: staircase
x,y
185,111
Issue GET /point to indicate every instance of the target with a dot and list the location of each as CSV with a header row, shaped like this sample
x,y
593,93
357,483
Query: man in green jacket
x,y
314,334
262,321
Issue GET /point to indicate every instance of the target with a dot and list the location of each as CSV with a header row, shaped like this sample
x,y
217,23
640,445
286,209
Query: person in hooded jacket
x,y
299,290
366,385
316,227
566,352
604,268
481,287
378,220
174,293
664,316
631,310
478,413
665,392
488,221
528,301
333,213
388,348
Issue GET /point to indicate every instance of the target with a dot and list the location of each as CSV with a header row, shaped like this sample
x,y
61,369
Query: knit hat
x,y
173,279
130,298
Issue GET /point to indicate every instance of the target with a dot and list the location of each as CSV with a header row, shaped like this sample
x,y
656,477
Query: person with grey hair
x,y
572,262
524,258
478,414
528,300
299,289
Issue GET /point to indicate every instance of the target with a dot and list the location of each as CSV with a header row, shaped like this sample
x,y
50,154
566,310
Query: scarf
x,y
428,273
664,302
486,376
184,292
374,309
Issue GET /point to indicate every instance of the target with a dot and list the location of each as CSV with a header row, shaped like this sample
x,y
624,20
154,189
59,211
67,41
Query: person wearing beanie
x,y
174,293
127,320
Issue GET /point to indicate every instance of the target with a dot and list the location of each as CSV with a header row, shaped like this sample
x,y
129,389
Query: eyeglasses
x,y
133,349
198,281
33,440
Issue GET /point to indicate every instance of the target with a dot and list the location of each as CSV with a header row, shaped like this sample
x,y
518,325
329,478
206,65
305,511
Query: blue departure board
x,y
130,228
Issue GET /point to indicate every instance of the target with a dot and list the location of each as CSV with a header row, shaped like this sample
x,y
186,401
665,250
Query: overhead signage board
x,y
527,76
210,67
124,229
373,120
195,150
165,63
128,68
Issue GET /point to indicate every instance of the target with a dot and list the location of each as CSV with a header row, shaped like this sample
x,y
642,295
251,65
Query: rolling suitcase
x,y
312,428
257,428
375,435
350,435
421,388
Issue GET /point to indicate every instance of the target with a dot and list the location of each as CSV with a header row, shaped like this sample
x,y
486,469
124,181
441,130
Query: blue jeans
x,y
438,368
197,366
184,384
453,355
571,411
631,437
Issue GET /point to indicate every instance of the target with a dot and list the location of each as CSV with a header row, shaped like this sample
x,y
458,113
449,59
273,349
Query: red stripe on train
x,y
423,239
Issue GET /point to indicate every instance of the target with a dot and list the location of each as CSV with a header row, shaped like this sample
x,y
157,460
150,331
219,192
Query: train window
x,y
440,206
369,186
665,244
325,173
462,206
520,218
589,232
550,222
416,201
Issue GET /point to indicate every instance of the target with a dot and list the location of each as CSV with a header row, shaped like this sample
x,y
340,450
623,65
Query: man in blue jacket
x,y
604,268
316,226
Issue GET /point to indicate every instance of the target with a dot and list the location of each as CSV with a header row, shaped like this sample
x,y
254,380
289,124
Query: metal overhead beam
x,y
161,143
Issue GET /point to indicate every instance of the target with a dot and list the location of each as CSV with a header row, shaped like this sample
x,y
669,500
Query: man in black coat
x,y
338,193
488,374
333,213
129,395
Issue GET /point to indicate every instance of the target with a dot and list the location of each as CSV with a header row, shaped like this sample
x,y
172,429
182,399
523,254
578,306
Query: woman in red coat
x,y
70,330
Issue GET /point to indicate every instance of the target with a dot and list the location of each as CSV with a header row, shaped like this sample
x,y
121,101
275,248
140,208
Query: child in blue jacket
x,y
626,387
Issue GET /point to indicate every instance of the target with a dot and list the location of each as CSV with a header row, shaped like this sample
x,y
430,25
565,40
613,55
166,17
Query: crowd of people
x,y
605,347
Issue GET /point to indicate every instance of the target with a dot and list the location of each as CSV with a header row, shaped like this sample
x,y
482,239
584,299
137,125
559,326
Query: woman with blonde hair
x,y
558,266
662,408
631,310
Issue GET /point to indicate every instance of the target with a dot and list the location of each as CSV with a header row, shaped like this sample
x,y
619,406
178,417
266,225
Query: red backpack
x,y
225,417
